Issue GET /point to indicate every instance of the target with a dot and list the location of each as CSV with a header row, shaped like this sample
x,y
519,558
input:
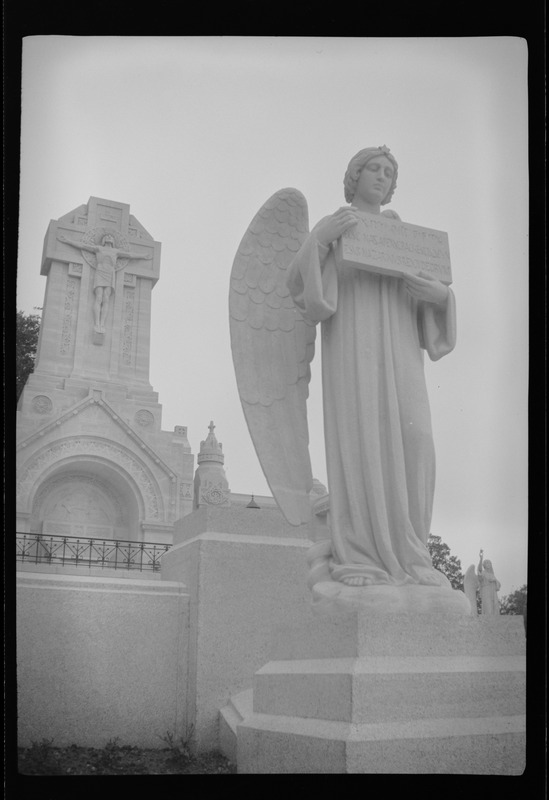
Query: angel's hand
x,y
332,228
425,287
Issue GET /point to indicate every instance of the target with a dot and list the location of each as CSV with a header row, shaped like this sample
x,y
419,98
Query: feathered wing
x,y
470,586
272,348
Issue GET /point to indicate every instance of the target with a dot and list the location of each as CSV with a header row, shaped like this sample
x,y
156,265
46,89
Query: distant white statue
x,y
105,268
375,329
486,583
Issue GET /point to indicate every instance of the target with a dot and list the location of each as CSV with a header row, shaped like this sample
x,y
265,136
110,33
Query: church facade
x,y
92,458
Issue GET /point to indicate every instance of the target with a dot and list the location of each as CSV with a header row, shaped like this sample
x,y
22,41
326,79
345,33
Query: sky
x,y
196,133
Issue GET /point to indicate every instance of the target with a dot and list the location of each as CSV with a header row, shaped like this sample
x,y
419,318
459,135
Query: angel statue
x,y
486,583
106,255
379,445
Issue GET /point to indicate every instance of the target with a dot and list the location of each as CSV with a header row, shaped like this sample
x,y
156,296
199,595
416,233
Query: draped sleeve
x,y
437,327
312,279
313,283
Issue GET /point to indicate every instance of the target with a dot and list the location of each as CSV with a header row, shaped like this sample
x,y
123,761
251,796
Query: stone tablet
x,y
391,247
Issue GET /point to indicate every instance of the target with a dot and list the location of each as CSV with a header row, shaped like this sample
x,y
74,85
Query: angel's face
x,y
375,180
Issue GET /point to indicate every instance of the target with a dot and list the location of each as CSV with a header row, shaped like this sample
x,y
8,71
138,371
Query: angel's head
x,y
357,164
487,566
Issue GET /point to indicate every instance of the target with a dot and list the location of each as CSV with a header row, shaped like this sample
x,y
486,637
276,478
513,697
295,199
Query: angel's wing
x,y
272,349
470,586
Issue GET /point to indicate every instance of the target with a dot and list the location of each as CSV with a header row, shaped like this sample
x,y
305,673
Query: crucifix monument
x,y
106,267
93,460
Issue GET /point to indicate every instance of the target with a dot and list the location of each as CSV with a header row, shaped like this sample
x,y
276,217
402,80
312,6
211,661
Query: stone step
x,y
287,744
389,693
387,689
239,707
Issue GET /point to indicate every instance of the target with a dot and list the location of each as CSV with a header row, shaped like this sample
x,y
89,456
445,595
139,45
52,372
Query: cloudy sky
x,y
196,133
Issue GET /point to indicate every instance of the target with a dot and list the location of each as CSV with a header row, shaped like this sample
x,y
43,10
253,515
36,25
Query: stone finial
x,y
210,448
210,483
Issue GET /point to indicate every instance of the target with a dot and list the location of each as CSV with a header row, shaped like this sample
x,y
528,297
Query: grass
x,y
43,758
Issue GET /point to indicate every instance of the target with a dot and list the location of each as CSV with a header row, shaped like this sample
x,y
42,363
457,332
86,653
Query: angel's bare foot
x,y
357,581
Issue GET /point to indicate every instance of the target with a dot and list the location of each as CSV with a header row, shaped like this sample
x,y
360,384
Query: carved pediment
x,y
96,419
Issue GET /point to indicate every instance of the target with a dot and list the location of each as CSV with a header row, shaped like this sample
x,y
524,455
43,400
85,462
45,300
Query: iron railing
x,y
37,548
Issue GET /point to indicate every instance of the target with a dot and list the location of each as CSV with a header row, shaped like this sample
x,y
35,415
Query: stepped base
x,y
395,694
486,746
239,707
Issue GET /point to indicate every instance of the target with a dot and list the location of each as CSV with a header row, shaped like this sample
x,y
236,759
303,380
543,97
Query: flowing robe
x,y
379,445
489,587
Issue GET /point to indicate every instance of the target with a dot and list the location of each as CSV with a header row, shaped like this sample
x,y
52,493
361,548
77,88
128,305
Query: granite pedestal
x,y
373,692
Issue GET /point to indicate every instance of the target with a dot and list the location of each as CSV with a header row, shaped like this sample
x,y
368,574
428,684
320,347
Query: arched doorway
x,y
87,498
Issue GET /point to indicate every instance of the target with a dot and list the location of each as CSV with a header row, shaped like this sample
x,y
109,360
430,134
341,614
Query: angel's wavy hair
x,y
357,164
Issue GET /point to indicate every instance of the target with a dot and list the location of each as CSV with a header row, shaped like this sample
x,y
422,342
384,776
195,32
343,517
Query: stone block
x,y
237,520
389,689
487,746
357,634
100,658
237,709
389,693
242,583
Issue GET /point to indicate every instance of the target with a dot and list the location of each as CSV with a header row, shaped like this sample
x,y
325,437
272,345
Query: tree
x,y
26,341
514,603
442,560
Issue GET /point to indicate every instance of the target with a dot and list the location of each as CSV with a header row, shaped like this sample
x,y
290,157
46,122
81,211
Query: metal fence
x,y
37,548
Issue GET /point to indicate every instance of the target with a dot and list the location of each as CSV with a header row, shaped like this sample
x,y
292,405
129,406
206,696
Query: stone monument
x,y
93,460
485,582
391,673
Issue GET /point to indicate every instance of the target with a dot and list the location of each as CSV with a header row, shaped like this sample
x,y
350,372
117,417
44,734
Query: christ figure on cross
x,y
106,256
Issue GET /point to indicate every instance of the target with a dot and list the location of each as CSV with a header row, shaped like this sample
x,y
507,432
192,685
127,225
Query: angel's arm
x,y
312,277
423,287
